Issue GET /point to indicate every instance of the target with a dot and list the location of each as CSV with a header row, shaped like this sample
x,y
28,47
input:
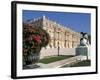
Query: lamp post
x,y
58,44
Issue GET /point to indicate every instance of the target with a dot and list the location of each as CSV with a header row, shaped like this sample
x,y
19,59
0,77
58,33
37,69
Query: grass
x,y
53,59
79,64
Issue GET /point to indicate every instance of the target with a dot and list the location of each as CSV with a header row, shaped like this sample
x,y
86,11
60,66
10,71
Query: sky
x,y
79,22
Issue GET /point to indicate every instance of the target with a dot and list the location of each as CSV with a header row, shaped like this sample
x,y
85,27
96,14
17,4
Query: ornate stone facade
x,y
60,36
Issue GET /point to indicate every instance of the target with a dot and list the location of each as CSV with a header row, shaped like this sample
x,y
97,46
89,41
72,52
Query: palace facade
x,y
60,36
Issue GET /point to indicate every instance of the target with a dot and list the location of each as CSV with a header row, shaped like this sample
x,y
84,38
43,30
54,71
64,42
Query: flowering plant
x,y
34,38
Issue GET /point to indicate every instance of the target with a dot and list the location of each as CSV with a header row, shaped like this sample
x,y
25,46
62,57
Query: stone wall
x,y
54,51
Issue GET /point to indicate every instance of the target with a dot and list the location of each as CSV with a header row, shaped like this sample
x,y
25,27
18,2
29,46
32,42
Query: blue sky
x,y
77,21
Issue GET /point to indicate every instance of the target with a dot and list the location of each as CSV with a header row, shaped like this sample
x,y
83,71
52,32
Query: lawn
x,y
53,59
79,64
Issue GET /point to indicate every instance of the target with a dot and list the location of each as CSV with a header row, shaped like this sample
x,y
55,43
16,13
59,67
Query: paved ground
x,y
57,64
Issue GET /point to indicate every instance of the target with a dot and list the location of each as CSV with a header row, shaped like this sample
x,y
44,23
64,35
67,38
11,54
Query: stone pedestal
x,y
84,51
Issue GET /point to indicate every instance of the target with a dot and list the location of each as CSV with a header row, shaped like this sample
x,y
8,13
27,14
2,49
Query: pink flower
x,y
37,38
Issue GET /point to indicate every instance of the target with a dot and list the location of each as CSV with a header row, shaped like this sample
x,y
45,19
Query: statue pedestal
x,y
84,51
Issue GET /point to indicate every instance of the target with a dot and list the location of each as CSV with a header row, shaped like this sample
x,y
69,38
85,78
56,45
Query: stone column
x,y
70,40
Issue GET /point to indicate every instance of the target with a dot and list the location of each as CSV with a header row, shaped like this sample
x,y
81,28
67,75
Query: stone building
x,y
60,36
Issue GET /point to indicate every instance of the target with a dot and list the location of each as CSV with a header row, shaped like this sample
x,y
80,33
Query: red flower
x,y
37,38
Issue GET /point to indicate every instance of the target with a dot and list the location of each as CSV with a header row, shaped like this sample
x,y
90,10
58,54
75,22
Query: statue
x,y
84,48
84,41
